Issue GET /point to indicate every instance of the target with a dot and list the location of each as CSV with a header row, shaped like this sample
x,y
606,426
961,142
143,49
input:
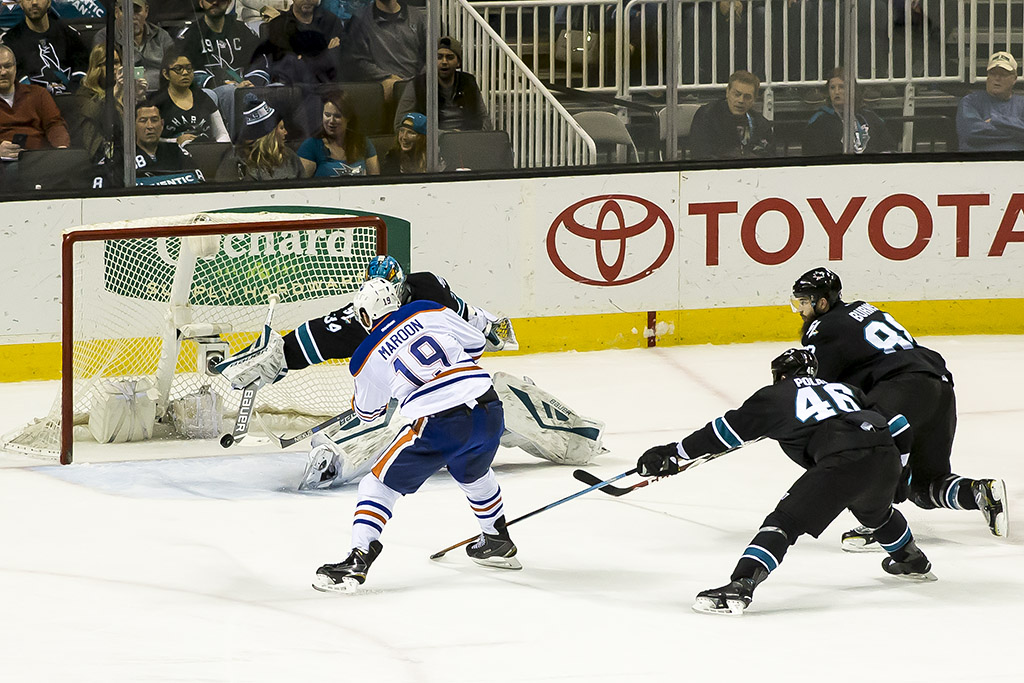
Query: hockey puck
x,y
227,440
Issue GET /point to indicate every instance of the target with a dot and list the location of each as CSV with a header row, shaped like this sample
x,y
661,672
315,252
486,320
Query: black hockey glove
x,y
659,461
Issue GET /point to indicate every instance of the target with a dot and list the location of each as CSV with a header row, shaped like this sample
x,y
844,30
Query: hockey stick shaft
x,y
588,478
343,419
441,553
248,401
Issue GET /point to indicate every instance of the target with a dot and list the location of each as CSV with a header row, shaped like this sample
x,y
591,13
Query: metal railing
x,y
542,132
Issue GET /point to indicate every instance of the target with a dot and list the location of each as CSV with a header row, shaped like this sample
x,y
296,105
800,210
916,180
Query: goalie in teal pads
x,y
536,421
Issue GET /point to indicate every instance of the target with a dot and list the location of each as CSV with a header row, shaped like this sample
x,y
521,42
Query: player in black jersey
x,y
862,345
338,334
852,462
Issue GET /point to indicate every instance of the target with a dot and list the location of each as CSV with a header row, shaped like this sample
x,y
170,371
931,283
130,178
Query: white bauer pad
x,y
349,453
123,411
198,415
543,426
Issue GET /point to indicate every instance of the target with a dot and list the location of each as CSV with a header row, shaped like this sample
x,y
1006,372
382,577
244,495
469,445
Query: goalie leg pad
x,y
543,426
123,411
351,452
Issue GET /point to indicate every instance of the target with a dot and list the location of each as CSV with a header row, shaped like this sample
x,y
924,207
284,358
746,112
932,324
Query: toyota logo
x,y
610,221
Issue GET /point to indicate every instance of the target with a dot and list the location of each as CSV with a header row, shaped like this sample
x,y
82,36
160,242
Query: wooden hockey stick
x,y
248,394
588,478
441,553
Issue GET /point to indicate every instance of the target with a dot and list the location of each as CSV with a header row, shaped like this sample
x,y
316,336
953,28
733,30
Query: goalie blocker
x,y
535,421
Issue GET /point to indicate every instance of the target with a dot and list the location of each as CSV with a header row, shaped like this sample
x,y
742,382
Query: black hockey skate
x,y
909,563
495,550
731,599
861,539
991,497
350,573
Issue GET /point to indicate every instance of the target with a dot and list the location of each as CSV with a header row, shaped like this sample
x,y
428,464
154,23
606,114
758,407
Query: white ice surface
x,y
200,569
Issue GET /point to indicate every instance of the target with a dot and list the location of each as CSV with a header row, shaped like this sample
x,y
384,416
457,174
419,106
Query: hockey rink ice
x,y
199,569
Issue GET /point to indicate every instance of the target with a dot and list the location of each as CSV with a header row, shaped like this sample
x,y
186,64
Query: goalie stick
x,y
592,479
248,401
441,553
343,419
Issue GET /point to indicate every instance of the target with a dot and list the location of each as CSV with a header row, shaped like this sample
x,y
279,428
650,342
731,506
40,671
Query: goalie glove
x,y
500,335
261,362
662,461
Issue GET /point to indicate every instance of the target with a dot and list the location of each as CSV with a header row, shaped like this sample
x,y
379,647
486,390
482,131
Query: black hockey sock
x,y
953,492
763,555
894,535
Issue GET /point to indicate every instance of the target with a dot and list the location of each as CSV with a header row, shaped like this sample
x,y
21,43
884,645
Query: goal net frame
x,y
195,226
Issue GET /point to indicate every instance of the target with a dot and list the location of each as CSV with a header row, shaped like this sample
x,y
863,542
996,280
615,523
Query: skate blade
x,y
733,608
1002,524
499,562
917,578
857,545
324,584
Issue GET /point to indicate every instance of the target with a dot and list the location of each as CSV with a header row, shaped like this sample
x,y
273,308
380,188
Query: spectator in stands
x,y
303,44
151,41
29,118
730,128
222,49
49,52
345,9
263,152
154,157
340,148
460,106
188,113
387,44
95,131
409,154
256,13
825,131
993,119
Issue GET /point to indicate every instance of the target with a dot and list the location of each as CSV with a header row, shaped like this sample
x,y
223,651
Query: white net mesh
x,y
161,307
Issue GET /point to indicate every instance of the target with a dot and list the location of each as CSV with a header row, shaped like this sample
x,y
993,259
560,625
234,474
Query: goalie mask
x,y
374,300
794,363
387,268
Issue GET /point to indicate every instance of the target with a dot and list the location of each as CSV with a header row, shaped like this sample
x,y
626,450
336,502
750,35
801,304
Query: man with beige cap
x,y
993,120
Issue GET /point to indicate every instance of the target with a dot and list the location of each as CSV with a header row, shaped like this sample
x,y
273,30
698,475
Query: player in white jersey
x,y
424,355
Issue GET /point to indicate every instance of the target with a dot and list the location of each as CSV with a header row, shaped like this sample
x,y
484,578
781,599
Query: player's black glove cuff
x,y
659,461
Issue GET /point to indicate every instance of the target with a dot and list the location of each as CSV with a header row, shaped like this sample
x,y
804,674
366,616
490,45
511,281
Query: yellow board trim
x,y
21,362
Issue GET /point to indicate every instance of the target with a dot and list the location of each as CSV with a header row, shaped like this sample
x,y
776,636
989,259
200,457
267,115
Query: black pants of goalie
x,y
862,481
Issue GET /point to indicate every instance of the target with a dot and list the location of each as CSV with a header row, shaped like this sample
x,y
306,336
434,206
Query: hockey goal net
x,y
150,305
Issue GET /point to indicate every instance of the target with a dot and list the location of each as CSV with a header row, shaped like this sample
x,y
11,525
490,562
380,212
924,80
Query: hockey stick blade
x,y
343,419
592,479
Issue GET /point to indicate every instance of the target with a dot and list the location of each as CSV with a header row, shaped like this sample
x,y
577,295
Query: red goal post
x,y
149,305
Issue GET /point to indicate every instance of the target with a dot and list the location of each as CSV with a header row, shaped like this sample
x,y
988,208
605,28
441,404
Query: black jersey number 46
x,y
820,402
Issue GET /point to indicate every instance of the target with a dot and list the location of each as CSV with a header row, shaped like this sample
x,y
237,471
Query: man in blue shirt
x,y
993,120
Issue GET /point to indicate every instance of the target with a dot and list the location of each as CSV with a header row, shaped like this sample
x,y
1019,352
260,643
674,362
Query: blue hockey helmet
x,y
387,268
794,363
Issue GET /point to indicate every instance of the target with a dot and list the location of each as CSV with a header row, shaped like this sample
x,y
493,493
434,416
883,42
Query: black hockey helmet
x,y
820,283
794,363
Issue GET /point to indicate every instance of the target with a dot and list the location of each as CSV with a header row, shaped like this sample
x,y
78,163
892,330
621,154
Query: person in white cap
x,y
993,120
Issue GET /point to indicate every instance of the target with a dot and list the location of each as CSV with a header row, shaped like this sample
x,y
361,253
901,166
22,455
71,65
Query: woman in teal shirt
x,y
340,148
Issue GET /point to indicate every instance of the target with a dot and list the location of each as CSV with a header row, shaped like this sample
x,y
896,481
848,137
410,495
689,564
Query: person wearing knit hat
x,y
460,106
409,153
263,154
993,120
